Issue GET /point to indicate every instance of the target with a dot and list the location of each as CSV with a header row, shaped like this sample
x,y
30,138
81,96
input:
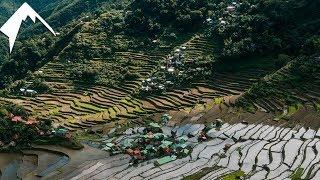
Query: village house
x,y
231,9
28,92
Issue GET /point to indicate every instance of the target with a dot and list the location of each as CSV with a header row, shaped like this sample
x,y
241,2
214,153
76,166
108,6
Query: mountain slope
x,y
297,82
100,47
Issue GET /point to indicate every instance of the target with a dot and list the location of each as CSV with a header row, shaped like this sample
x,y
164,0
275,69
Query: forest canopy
x,y
153,16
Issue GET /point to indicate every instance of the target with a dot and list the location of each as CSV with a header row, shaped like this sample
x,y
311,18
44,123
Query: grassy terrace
x,y
78,106
287,91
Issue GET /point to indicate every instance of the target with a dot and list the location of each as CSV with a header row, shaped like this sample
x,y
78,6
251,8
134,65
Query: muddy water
x,y
13,166
6,158
22,166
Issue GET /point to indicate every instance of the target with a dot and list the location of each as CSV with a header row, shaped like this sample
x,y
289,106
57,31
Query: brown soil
x,y
307,116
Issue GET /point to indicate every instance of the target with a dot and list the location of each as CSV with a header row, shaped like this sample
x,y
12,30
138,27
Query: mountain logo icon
x,y
12,26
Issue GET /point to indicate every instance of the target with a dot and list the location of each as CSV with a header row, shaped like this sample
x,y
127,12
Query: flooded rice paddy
x,y
259,151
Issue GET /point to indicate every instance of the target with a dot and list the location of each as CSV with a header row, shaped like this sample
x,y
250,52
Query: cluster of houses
x,y
177,65
160,142
152,84
152,143
174,67
229,11
165,78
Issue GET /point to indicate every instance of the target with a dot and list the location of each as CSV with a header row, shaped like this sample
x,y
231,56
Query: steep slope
x,y
33,45
96,69
297,82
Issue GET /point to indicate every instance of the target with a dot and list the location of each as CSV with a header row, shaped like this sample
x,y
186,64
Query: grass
x,y
293,109
87,106
187,110
138,109
86,136
132,103
233,176
112,113
318,106
126,102
54,111
297,174
117,110
209,105
218,100
201,173
199,107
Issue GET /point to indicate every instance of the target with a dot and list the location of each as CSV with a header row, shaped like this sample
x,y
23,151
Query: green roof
x,y
156,125
159,135
183,146
165,160
183,138
106,148
110,144
128,142
165,144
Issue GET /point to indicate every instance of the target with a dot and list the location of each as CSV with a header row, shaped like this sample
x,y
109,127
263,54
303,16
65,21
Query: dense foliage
x,y
93,31
18,130
67,17
269,26
154,16
298,76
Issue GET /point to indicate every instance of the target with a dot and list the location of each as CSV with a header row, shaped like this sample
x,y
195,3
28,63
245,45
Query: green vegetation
x,y
155,16
19,131
234,176
87,106
200,174
218,100
297,76
293,109
297,174
318,106
119,44
261,27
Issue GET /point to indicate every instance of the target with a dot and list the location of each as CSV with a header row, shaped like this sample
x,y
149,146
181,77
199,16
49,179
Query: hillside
x,y
105,49
231,69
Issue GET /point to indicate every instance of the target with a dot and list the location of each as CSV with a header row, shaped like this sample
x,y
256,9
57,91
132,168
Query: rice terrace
x,y
161,89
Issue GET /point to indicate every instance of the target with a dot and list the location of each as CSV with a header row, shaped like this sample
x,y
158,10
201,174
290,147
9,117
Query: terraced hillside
x,y
251,67
79,106
295,84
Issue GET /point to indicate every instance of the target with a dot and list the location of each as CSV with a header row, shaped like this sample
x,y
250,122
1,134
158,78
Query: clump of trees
x,y
85,73
153,16
269,26
18,130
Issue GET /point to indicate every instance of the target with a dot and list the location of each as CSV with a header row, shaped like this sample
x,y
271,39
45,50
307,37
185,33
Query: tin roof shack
x,y
28,92
61,132
165,160
209,21
231,8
